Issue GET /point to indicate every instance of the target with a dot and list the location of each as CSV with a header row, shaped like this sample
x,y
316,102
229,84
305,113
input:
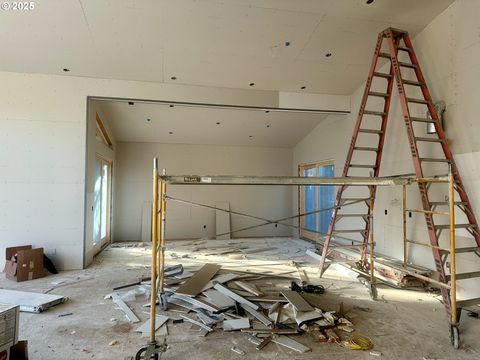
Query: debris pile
x,y
213,301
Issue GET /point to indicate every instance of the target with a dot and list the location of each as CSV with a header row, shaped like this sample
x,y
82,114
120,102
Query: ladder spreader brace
x,y
398,41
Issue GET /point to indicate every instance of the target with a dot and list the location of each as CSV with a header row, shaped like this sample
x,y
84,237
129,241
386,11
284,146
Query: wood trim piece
x,y
103,131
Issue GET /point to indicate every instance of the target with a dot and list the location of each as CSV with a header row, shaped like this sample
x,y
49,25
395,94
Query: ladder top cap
x,y
394,32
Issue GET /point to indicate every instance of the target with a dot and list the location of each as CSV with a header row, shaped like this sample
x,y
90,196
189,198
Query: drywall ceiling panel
x,y
227,43
196,125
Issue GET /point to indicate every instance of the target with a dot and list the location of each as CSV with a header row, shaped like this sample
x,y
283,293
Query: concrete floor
x,y
402,324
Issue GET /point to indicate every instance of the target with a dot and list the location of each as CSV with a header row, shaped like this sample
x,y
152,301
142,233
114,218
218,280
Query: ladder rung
x,y
362,166
384,55
404,64
348,231
467,249
365,148
354,199
352,215
425,120
468,302
418,101
403,48
382,75
413,82
434,160
429,139
457,226
370,131
372,112
463,276
378,94
439,203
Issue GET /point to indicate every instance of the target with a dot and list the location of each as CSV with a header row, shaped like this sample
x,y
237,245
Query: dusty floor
x,y
402,324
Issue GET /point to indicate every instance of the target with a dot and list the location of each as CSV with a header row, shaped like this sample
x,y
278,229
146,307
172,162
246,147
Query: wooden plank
x,y
197,282
124,307
103,132
297,300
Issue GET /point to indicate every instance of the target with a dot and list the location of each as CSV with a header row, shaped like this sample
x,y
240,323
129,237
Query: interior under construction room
x,y
239,179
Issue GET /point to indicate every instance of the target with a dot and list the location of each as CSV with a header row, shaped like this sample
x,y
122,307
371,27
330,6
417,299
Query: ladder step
x,y
403,48
429,139
365,148
412,82
440,203
434,160
384,55
463,276
382,75
353,199
408,65
467,249
352,215
370,131
418,101
348,231
425,120
362,166
457,226
371,112
378,94
467,302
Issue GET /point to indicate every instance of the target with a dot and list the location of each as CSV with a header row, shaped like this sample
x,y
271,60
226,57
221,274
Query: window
x,y
101,201
314,198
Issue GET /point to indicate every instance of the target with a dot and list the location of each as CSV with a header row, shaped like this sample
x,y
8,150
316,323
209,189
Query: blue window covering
x,y
319,197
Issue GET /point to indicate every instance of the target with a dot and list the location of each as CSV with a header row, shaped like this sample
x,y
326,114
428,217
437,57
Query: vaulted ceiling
x,y
273,44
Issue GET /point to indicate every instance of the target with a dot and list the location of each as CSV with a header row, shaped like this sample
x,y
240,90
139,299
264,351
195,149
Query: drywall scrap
x,y
210,300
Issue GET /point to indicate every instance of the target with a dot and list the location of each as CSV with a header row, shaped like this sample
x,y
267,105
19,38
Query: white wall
x,y
449,51
134,188
43,153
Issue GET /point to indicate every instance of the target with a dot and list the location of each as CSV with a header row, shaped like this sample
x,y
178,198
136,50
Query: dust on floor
x,y
403,324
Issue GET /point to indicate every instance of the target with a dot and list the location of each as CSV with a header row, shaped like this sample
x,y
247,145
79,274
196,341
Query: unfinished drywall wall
x,y
448,50
134,188
43,153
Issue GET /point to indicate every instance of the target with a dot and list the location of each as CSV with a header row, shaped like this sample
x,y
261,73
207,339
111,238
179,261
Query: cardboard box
x,y
23,263
9,320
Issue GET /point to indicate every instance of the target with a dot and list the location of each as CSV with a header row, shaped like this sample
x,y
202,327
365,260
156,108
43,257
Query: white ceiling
x,y
198,125
225,43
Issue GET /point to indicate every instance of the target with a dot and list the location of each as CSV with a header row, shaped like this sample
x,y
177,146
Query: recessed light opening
x,y
287,43
148,120
250,136
171,105
303,87
268,125
218,122
131,103
252,84
267,111
369,1
173,78
328,54
66,70
170,132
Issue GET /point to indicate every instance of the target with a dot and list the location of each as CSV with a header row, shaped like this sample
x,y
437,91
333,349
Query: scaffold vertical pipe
x,y
372,238
153,294
404,212
453,270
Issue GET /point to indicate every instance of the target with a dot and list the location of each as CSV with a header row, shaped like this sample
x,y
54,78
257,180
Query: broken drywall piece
x,y
236,324
221,279
256,314
145,327
220,300
297,300
194,285
124,307
251,288
30,301
234,296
